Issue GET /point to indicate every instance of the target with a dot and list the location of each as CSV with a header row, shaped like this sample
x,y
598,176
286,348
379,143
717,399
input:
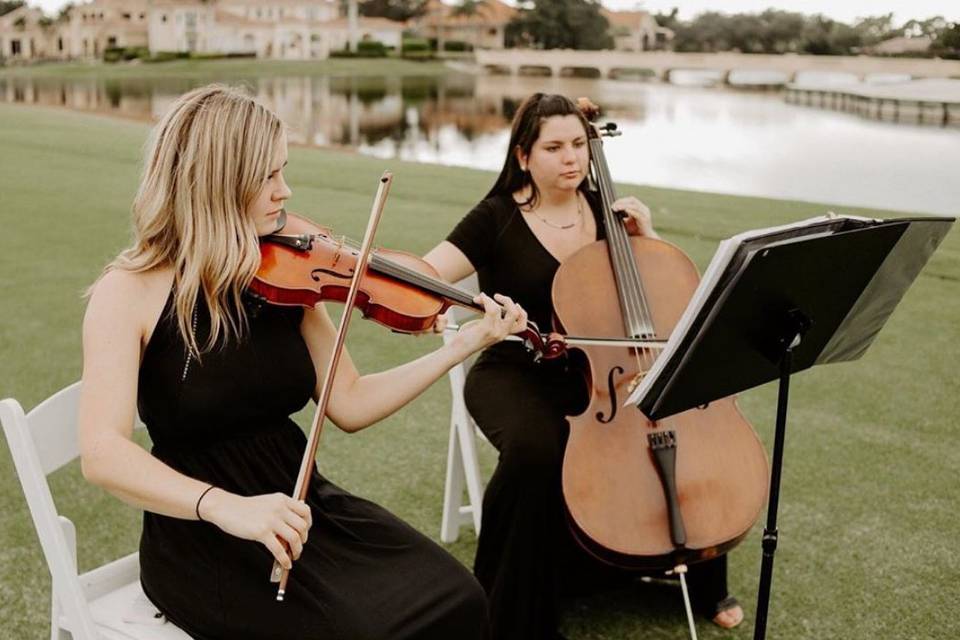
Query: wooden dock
x,y
928,101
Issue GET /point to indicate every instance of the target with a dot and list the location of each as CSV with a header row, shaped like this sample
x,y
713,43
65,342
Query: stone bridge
x,y
610,64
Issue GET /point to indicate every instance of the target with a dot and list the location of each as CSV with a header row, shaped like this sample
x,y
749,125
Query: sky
x,y
844,10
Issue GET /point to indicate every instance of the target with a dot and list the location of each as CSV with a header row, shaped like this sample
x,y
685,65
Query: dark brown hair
x,y
523,134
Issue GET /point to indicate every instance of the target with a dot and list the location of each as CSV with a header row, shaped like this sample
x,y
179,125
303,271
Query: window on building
x,y
163,17
126,16
59,44
112,42
143,16
14,47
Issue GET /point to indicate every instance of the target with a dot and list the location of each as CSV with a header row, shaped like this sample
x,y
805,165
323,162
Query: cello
x,y
638,493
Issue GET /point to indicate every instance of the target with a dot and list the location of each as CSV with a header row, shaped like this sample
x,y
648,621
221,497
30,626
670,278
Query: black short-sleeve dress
x,y
363,574
526,557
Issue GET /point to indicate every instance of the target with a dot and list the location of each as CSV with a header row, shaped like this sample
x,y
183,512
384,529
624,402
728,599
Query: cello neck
x,y
637,320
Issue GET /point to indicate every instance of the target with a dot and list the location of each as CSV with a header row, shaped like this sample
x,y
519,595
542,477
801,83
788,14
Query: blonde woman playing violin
x,y
170,332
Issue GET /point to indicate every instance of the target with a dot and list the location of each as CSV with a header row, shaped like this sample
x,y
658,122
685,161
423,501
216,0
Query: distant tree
x,y
931,27
874,29
560,24
668,20
745,33
947,44
782,31
399,10
824,36
64,14
6,6
776,31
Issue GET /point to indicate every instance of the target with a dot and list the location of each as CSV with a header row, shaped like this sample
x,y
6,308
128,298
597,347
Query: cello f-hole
x,y
612,388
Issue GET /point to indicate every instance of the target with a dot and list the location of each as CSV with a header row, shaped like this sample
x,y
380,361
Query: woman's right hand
x,y
268,519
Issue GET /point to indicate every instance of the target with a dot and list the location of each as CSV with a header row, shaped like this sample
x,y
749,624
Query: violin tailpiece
x,y
663,446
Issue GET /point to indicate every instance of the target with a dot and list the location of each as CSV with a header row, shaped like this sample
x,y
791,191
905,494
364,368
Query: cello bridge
x,y
637,379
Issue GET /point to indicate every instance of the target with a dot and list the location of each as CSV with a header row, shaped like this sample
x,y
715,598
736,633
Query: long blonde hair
x,y
206,161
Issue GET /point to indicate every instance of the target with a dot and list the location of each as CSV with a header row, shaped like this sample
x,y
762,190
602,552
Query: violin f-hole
x,y
612,389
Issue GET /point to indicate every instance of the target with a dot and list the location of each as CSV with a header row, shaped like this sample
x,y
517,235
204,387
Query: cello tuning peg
x,y
610,130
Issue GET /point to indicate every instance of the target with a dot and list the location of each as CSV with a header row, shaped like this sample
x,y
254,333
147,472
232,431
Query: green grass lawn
x,y
868,510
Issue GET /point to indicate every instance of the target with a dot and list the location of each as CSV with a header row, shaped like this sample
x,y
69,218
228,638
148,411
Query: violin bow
x,y
279,573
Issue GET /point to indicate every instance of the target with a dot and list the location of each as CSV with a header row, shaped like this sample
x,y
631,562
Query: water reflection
x,y
677,136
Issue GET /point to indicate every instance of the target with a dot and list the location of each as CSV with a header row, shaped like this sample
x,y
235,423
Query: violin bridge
x,y
339,250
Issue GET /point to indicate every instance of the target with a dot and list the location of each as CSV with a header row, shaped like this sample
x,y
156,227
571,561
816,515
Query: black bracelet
x,y
197,508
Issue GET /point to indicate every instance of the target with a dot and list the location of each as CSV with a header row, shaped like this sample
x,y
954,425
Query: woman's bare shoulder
x,y
133,286
130,297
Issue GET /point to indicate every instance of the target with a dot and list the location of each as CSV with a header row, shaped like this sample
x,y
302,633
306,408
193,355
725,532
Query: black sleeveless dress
x,y
363,574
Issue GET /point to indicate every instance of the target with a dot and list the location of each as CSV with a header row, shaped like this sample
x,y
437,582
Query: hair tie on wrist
x,y
197,507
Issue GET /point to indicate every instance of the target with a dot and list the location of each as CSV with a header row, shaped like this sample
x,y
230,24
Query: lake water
x,y
681,135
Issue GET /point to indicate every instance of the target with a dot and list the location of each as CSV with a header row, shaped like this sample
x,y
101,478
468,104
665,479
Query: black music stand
x,y
780,301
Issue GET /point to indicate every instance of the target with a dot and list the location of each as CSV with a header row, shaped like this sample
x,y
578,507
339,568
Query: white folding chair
x,y
463,468
106,602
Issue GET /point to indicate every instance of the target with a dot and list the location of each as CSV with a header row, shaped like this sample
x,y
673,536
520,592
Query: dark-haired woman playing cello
x,y
537,214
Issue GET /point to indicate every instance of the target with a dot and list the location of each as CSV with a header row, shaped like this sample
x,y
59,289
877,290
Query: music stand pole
x,y
799,324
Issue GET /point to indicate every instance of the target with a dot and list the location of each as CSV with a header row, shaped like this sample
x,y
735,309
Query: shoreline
x,y
346,150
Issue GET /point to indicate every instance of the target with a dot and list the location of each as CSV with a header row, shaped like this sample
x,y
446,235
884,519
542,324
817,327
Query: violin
x,y
303,264
641,493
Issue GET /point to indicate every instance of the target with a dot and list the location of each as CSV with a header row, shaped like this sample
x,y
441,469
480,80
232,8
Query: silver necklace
x,y
564,227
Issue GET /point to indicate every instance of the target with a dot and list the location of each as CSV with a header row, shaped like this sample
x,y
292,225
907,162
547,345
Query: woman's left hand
x,y
502,317
440,324
636,217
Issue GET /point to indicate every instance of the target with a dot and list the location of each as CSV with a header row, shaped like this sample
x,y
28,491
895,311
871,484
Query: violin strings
x,y
411,276
388,267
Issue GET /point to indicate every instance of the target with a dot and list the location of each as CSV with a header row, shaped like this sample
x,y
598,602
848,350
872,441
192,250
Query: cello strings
x,y
618,247
636,312
627,300
623,260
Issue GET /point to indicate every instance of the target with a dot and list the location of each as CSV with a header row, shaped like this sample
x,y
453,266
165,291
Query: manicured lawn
x,y
869,502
